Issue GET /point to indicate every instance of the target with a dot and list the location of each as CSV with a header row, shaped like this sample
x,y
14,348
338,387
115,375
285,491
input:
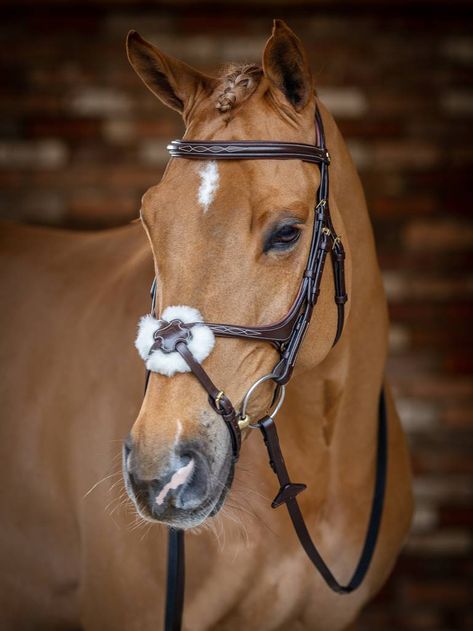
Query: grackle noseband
x,y
286,335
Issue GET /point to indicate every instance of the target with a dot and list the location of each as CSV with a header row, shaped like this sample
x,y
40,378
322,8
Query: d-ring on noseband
x,y
287,335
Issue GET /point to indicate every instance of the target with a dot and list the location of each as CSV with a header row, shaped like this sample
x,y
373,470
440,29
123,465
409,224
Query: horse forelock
x,y
237,83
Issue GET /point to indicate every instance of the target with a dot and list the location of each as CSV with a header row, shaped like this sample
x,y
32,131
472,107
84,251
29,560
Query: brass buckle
x,y
244,422
337,241
218,399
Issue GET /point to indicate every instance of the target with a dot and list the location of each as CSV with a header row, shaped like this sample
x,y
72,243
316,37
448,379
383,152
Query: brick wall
x,y
81,139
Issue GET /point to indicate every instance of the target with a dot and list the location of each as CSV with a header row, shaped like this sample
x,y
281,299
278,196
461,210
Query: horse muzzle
x,y
180,492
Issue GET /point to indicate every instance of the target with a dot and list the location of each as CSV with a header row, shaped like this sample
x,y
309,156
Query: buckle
x,y
218,399
244,422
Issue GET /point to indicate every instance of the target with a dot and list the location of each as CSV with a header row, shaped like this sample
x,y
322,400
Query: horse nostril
x,y
127,446
186,456
128,443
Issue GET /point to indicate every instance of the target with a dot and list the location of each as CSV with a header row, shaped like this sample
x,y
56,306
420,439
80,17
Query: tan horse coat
x,y
72,386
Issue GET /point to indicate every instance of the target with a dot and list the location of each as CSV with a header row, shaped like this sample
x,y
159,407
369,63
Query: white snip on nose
x,y
209,182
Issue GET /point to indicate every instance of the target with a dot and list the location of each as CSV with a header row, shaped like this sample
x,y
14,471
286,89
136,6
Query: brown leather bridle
x,y
286,335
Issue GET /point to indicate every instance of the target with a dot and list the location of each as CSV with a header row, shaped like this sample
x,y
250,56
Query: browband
x,y
247,150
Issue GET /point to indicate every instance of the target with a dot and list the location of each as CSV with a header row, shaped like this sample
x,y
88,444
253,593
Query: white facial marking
x,y
179,477
177,438
209,180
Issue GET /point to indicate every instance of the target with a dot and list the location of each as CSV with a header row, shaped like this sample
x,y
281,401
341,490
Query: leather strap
x,y
288,492
217,398
175,580
341,297
247,150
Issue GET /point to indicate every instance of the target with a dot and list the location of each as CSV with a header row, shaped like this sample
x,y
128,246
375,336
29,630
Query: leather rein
x,y
287,336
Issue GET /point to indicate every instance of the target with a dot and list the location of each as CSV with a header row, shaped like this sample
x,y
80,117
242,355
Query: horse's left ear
x,y
286,65
174,82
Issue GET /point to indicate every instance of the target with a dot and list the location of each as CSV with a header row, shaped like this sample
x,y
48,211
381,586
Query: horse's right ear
x,y
175,83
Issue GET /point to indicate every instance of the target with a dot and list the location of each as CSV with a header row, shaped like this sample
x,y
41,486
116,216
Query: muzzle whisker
x,y
238,507
242,529
146,532
246,489
107,477
138,523
115,484
121,501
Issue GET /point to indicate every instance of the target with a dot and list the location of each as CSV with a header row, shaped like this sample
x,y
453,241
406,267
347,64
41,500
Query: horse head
x,y
230,241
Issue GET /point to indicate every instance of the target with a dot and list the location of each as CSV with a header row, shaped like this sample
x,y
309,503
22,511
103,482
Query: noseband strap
x,y
217,398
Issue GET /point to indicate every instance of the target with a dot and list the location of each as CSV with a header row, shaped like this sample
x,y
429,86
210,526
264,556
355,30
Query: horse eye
x,y
283,238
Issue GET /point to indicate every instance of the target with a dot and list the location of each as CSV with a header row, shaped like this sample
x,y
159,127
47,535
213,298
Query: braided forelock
x,y
238,82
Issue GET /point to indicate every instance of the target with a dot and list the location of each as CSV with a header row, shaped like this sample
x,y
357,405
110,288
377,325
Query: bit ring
x,y
280,391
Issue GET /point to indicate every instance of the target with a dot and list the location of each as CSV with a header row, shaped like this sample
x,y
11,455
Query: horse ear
x,y
286,66
175,83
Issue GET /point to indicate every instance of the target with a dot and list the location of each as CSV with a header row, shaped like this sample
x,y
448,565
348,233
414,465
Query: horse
x,y
228,239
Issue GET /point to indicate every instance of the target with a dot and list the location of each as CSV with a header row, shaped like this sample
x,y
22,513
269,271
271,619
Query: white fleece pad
x,y
200,345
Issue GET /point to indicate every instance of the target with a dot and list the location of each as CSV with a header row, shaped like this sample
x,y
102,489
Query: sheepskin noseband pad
x,y
156,339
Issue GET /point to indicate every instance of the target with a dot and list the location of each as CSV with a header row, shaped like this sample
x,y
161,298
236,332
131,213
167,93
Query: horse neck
x,y
331,413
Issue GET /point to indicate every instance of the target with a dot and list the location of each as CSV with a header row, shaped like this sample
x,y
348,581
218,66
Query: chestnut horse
x,y
230,239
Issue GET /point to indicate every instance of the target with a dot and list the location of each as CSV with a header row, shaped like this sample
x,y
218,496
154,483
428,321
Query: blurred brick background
x,y
81,140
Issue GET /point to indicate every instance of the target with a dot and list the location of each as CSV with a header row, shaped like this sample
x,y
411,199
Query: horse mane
x,y
238,82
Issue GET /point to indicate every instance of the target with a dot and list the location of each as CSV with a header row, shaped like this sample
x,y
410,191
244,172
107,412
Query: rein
x,y
287,336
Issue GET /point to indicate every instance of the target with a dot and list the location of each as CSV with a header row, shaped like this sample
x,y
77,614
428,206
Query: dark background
x,y
82,139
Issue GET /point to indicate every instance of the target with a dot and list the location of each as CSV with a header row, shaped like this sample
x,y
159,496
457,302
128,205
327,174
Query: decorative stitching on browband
x,y
156,339
249,150
188,148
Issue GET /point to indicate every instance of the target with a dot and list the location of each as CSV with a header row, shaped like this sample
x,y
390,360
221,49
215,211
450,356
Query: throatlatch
x,y
169,345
